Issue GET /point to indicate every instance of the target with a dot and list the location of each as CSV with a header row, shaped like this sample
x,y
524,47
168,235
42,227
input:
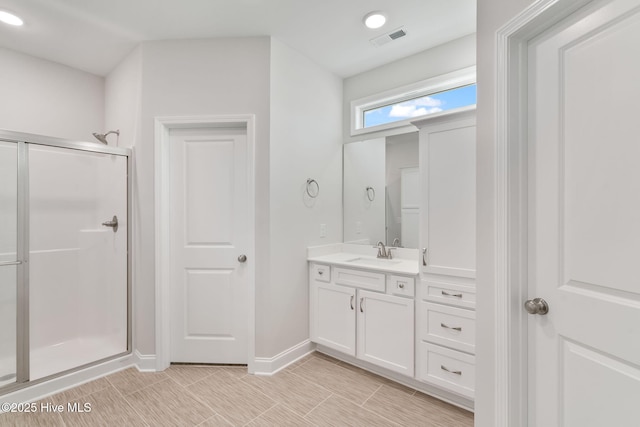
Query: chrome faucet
x,y
382,251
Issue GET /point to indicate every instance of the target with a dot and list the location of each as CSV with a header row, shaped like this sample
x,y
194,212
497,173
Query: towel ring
x,y
371,194
311,183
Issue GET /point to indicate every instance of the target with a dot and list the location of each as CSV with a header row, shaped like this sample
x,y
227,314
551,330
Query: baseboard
x,y
271,365
145,362
43,389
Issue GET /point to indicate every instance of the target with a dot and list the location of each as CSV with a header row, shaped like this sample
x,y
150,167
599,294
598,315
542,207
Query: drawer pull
x,y
456,328
320,272
351,302
444,368
401,285
447,294
361,300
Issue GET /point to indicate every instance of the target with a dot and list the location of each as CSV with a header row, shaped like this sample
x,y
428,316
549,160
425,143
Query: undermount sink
x,y
373,261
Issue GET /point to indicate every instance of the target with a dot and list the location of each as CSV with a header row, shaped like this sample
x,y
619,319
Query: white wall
x,y
123,97
187,77
364,166
455,55
492,14
47,98
305,142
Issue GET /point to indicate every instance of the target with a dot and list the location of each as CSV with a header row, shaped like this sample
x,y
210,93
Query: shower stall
x,y
64,257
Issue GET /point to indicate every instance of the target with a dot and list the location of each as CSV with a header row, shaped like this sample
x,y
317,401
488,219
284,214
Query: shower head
x,y
102,137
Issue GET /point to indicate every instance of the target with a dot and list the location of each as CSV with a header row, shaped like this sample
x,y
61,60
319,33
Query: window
x,y
442,101
400,106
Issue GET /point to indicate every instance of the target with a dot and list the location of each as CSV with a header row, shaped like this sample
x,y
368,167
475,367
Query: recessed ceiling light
x,y
374,20
10,18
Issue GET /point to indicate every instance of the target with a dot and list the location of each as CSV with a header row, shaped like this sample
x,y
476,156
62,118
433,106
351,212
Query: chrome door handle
x,y
242,258
361,310
424,256
455,328
10,263
351,302
444,368
536,306
447,294
113,223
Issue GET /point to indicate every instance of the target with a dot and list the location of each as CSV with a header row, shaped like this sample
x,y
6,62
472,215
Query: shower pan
x,y
64,265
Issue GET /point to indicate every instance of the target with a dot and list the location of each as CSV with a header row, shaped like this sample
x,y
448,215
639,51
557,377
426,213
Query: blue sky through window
x,y
447,100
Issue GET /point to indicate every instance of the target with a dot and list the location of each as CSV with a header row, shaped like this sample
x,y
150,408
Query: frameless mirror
x,y
381,191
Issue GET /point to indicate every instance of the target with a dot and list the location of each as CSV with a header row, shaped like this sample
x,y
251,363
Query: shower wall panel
x,y
78,267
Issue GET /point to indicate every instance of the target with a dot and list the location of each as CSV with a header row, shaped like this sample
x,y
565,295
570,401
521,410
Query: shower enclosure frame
x,y
22,250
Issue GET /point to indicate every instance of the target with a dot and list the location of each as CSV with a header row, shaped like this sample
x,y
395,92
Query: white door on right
x,y
584,218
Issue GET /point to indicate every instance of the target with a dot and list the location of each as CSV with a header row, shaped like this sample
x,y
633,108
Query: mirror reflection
x,y
381,191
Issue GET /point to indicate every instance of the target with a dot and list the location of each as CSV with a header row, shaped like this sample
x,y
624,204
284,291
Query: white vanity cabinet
x,y
366,314
333,316
445,301
385,331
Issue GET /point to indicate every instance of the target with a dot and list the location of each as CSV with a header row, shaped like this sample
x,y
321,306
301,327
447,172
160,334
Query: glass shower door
x,y
77,258
8,261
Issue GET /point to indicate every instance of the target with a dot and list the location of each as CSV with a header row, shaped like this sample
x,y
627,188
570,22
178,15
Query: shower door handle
x,y
113,223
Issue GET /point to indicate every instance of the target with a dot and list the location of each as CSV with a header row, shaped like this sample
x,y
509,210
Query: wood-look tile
x,y
188,374
295,392
449,415
31,419
412,410
236,372
235,400
108,408
79,391
378,378
166,404
336,411
324,357
215,421
279,416
310,356
351,385
131,380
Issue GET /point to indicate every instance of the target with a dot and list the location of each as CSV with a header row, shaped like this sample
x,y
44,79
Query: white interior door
x,y
209,221
585,219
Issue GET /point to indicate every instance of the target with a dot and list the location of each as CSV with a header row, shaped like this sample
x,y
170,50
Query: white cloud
x,y
426,101
407,111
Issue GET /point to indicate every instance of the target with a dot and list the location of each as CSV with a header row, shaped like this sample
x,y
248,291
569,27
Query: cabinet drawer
x,y
321,272
401,286
449,326
448,369
359,279
448,293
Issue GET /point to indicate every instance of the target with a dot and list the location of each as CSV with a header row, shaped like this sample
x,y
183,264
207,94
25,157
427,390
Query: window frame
x,y
441,83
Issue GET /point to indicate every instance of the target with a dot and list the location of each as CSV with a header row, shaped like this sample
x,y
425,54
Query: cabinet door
x,y
385,331
448,224
333,317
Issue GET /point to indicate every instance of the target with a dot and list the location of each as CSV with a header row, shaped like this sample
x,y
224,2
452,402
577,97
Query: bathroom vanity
x,y
411,318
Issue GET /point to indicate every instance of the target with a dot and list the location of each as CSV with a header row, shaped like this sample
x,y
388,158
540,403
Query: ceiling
x,y
95,35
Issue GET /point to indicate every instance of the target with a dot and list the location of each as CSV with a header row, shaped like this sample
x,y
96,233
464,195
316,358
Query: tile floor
x,y
315,391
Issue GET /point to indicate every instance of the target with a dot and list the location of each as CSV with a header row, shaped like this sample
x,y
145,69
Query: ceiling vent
x,y
389,37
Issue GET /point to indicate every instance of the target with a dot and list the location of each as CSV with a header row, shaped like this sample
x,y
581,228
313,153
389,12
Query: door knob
x,y
113,223
242,258
536,306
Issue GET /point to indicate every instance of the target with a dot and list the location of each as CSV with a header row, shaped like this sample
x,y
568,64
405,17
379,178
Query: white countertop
x,y
346,255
